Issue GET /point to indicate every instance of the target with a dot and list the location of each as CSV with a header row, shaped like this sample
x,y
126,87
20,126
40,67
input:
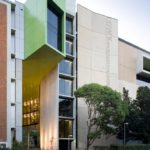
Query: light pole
x,y
69,136
124,135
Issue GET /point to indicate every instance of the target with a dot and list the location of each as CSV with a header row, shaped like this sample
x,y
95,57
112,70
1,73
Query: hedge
x,y
127,147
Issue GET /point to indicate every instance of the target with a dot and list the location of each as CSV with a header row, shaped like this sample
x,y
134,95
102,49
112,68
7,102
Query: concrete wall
x,y
98,43
127,67
97,60
127,62
71,7
49,111
19,53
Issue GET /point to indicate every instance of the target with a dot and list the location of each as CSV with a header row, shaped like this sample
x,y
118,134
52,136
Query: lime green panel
x,y
40,57
61,4
35,25
39,64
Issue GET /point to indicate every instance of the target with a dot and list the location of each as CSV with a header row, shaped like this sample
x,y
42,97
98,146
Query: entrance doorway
x,y
31,136
65,144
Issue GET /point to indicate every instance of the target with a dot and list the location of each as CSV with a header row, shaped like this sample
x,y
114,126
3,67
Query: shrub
x,y
120,147
19,146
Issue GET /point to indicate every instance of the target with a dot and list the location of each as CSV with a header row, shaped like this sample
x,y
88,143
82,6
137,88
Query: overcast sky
x,y
133,18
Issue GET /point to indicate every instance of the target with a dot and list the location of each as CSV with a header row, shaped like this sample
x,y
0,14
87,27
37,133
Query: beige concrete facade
x,y
104,59
97,61
127,64
97,48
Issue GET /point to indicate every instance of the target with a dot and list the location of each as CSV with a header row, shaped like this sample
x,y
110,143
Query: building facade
x,y
109,61
49,48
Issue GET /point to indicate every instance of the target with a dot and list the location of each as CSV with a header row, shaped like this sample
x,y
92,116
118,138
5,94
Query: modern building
x,y
49,48
108,60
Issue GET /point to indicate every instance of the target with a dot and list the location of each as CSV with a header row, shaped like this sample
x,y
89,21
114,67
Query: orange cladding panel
x,y
3,71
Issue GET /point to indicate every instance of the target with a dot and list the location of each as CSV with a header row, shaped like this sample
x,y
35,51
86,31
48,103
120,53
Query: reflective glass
x,y
69,26
143,83
66,107
146,64
54,28
65,128
66,67
69,47
65,87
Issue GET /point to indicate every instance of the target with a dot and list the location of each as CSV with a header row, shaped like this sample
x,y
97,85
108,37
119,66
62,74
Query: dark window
x,y
65,145
146,65
69,47
66,67
65,128
65,87
54,28
69,26
66,107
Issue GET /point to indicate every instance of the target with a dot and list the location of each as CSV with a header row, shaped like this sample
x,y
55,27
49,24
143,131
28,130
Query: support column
x,y
49,111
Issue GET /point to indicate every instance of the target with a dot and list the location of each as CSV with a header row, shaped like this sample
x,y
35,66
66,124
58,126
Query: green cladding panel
x,y
36,25
40,57
60,3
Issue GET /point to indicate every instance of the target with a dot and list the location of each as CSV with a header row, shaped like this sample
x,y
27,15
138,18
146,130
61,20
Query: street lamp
x,y
124,135
69,136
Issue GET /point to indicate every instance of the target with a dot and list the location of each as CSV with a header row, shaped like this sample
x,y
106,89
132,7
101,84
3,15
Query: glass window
x,y
31,112
65,128
31,136
69,26
143,83
65,144
65,87
69,47
54,28
146,65
65,107
66,67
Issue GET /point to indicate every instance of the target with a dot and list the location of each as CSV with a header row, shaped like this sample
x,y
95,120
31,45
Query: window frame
x,y
69,19
70,41
57,12
64,133
66,94
62,67
70,111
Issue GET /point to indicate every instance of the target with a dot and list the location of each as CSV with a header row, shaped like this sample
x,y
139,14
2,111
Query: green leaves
x,y
139,116
106,109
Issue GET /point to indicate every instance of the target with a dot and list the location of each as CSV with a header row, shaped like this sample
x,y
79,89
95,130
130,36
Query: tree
x,y
106,110
139,117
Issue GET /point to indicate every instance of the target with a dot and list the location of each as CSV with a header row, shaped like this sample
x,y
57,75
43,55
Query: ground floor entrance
x,y
31,136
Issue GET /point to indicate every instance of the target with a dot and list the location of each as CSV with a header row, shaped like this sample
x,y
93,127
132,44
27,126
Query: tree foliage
x,y
105,110
139,117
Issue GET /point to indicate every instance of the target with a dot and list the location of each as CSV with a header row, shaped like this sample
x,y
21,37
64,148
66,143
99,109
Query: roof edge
x,y
133,45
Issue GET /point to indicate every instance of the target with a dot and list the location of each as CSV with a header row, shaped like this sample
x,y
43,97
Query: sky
x,y
133,18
